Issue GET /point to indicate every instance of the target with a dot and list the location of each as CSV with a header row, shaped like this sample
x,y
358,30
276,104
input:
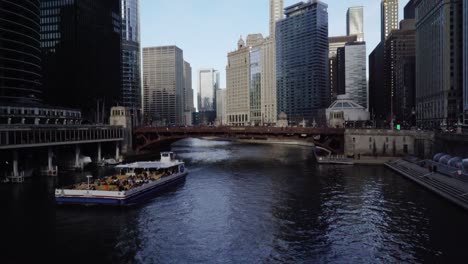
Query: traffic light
x,y
398,127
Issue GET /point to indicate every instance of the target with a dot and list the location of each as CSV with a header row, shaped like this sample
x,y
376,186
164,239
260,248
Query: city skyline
x,y
205,49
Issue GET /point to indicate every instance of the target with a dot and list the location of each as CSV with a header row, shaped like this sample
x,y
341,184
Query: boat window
x,y
465,166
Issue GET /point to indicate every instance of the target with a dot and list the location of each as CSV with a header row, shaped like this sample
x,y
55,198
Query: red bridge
x,y
148,138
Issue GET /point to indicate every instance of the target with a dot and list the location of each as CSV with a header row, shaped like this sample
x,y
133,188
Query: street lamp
x,y
89,177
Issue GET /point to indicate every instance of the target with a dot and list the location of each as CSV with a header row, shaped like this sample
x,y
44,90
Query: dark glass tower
x,y
81,46
302,61
20,54
131,83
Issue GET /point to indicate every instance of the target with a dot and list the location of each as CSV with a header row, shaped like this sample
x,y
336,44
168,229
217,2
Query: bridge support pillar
x,y
99,154
15,163
77,156
50,154
117,151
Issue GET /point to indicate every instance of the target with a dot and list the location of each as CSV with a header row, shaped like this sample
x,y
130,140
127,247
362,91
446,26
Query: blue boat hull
x,y
137,198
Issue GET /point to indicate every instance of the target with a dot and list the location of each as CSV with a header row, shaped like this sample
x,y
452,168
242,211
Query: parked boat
x,y
108,162
133,182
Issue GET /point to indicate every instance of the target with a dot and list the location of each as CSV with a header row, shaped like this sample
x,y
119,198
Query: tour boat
x,y
134,182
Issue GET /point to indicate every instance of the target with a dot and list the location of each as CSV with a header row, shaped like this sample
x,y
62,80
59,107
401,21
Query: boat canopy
x,y
465,165
438,156
445,159
455,162
149,165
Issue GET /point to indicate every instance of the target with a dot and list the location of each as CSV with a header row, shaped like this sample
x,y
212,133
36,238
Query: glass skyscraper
x,y
208,84
302,61
256,85
355,22
20,54
131,81
81,48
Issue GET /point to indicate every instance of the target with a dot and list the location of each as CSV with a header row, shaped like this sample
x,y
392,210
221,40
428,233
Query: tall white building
x,y
355,22
238,86
276,13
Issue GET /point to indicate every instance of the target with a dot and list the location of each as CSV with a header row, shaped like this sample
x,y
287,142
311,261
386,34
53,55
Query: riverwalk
x,y
453,188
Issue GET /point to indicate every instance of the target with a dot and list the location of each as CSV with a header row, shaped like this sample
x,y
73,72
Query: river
x,y
241,204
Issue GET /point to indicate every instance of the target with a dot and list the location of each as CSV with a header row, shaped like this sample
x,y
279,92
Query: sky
x,y
206,30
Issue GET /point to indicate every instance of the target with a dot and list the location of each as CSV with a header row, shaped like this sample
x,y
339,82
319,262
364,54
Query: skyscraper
x,y
410,10
131,81
20,55
188,94
208,83
377,100
334,43
439,73
81,48
268,70
276,14
399,78
355,72
221,107
302,61
355,22
238,85
465,62
163,85
389,16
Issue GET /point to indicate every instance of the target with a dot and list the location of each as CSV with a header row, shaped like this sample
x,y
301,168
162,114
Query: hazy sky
x,y
206,30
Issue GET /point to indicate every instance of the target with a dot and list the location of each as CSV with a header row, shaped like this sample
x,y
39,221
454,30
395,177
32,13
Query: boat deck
x,y
119,182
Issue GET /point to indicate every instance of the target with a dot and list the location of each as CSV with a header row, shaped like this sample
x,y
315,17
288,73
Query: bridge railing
x,y
32,136
241,130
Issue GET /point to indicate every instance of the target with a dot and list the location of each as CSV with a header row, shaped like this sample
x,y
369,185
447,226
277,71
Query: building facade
x,y
355,22
208,84
163,85
355,69
400,73
238,86
276,14
221,107
389,17
334,43
302,61
256,85
465,62
410,10
131,62
268,82
81,55
20,54
377,102
188,95
439,77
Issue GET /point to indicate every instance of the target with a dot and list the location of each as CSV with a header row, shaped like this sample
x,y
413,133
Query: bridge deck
x,y
15,137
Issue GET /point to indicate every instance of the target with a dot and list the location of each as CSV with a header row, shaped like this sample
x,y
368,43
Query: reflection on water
x,y
242,204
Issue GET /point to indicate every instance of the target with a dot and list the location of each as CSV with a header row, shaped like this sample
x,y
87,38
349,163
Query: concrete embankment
x,y
454,189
